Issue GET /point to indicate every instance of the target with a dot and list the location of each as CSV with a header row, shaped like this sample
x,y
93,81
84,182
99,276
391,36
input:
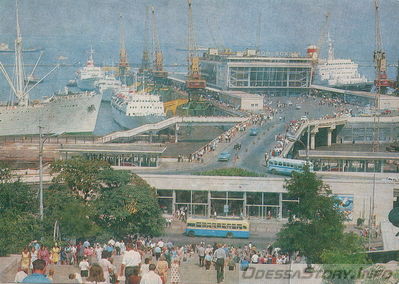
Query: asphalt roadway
x,y
251,154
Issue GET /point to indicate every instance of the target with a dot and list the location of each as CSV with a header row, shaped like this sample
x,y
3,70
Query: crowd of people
x,y
142,261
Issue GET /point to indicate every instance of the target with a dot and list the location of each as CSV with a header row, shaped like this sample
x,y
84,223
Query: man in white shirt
x,y
161,243
131,259
151,277
255,258
118,248
21,274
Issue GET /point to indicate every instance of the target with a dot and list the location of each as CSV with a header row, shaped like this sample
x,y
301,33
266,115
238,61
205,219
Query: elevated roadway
x,y
169,122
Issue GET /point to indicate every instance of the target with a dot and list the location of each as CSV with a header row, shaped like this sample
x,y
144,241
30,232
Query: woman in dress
x,y
44,254
33,256
96,275
25,259
162,268
55,254
175,271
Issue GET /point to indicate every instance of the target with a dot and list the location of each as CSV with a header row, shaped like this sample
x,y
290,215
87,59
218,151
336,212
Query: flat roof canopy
x,y
349,155
110,148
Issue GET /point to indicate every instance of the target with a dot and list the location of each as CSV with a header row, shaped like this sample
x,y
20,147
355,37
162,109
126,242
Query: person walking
x,y
201,255
96,275
25,259
162,268
151,277
175,271
130,260
219,256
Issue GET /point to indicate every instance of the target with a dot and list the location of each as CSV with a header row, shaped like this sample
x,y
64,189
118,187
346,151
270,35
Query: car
x,y
253,132
224,157
304,118
298,107
289,103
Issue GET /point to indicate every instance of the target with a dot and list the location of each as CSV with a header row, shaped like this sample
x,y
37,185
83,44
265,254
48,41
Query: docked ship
x,y
60,113
342,73
132,108
108,86
89,75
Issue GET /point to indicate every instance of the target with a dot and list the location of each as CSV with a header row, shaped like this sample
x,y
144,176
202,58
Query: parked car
x,y
224,157
253,132
298,107
304,118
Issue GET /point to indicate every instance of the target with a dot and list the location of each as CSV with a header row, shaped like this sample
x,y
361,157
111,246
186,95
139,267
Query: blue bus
x,y
225,228
287,166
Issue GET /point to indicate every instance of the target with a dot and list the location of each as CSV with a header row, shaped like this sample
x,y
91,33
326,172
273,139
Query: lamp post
x,y
41,145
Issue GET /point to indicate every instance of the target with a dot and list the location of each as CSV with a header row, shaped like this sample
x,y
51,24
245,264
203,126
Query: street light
x,y
41,144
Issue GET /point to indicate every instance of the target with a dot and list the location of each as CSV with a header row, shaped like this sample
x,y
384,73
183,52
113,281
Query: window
x,y
280,163
218,225
229,226
224,226
190,224
234,226
244,227
239,226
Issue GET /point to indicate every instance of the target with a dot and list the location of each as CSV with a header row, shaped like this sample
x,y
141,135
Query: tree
x,y
18,216
129,209
316,224
74,216
5,172
80,175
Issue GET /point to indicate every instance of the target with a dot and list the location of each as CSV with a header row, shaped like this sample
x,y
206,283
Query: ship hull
x,y
62,114
107,94
87,84
130,122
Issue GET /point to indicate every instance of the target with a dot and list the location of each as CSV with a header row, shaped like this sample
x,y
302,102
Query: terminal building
x,y
281,74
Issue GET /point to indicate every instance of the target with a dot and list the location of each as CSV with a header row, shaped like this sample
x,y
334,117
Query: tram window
x,y
280,163
239,227
218,225
213,225
190,224
224,226
244,227
209,225
234,226
229,226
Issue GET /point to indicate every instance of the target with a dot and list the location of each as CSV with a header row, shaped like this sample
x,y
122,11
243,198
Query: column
x,y
382,165
209,204
244,211
173,201
312,141
329,136
280,204
176,135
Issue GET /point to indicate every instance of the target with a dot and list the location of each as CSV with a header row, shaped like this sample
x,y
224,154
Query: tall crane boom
x,y
145,60
157,71
123,64
194,79
379,56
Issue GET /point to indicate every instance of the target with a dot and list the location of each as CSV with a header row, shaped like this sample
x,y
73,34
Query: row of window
x,y
217,226
285,164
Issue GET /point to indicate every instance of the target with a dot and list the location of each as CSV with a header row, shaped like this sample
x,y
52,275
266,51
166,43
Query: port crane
x,y
123,65
194,80
381,81
158,72
145,60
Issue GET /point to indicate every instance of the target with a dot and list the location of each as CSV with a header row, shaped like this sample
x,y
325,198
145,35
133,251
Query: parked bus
x,y
226,228
287,166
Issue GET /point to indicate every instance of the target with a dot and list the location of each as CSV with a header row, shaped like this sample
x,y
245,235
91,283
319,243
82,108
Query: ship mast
x,y
23,97
330,48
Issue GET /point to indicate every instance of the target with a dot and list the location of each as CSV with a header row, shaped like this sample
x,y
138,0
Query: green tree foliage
x,y
129,209
18,216
316,224
5,172
80,175
74,216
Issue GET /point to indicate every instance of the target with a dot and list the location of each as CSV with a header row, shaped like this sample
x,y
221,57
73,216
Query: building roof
x,y
113,148
242,95
350,155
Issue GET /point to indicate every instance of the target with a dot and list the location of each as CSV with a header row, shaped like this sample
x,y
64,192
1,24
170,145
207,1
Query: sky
x,y
69,27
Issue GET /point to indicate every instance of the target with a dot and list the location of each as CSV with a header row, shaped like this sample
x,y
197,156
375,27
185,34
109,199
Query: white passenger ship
x,y
131,108
89,75
339,72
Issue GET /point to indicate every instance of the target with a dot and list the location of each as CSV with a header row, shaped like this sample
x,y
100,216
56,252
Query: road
x,y
251,154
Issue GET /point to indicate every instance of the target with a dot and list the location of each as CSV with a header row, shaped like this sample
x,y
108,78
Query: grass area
x,y
235,172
